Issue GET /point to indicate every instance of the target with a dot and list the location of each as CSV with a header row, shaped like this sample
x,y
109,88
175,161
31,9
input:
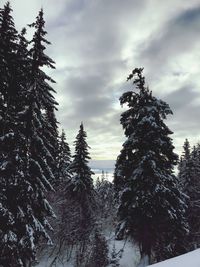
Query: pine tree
x,y
38,132
8,48
106,212
42,90
12,148
39,60
189,178
152,209
81,183
122,169
185,166
24,62
25,159
99,253
64,159
193,191
80,188
8,66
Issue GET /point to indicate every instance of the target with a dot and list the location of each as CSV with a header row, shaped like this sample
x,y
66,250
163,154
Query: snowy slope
x,y
191,259
130,256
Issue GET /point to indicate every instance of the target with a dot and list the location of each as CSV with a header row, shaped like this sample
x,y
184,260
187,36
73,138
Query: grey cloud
x,y
185,121
182,98
179,36
96,44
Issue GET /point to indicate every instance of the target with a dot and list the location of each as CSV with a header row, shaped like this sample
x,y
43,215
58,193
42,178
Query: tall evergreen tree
x,y
8,65
42,91
64,159
11,147
99,251
38,132
189,179
185,167
152,209
25,159
81,183
106,212
193,191
81,188
8,48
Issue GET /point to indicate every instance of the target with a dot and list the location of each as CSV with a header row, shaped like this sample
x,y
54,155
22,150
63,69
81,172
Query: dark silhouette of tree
x,y
152,209
25,155
189,182
64,159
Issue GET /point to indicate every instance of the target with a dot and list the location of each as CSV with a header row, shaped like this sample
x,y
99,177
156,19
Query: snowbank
x,y
191,259
130,256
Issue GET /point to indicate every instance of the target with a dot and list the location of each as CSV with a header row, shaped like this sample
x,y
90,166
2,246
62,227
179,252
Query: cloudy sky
x,y
96,44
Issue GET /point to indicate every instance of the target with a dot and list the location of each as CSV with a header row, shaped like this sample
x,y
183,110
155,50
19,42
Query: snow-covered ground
x,y
130,256
191,259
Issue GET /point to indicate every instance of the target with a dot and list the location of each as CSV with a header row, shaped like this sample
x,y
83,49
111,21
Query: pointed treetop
x,y
139,80
5,18
63,132
40,59
7,5
186,147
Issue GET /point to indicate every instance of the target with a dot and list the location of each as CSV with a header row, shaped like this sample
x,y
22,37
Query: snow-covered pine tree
x,y
185,165
11,147
52,138
43,90
193,191
152,209
106,212
80,188
24,158
189,178
81,183
99,251
40,148
122,170
64,159
24,68
25,168
8,63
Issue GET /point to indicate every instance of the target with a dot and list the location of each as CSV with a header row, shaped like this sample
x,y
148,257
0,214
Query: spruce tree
x,y
193,191
80,187
189,179
185,166
99,251
25,159
41,89
38,132
122,169
81,183
152,209
64,159
8,60
106,212
12,159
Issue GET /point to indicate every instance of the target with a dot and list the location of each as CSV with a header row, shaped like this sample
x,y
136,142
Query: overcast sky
x,y
96,44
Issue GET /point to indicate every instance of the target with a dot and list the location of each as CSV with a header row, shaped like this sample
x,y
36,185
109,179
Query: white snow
x,y
191,259
130,256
